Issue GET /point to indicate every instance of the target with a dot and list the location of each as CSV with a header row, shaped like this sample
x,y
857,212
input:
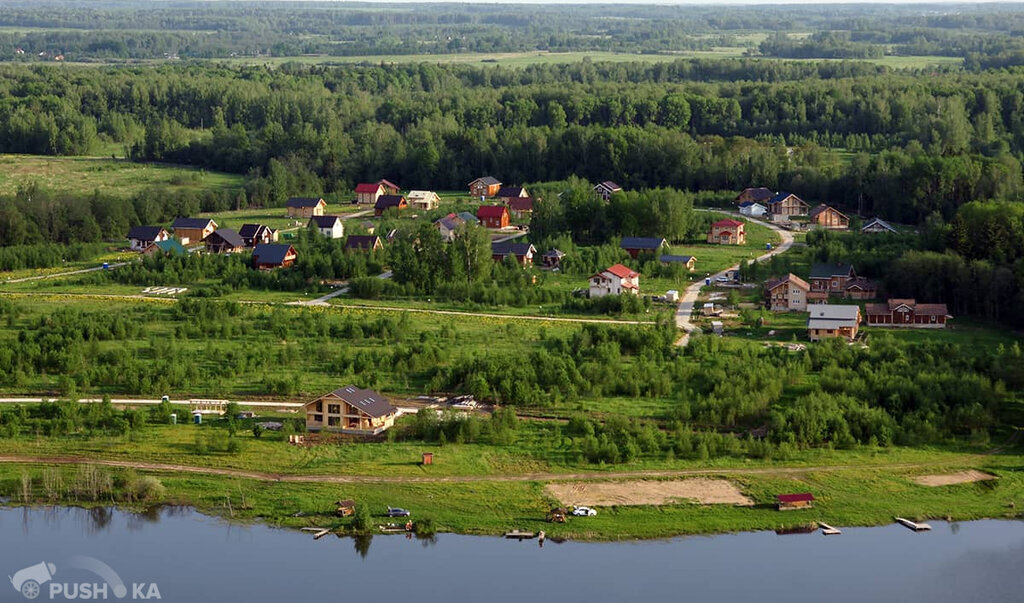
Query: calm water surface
x,y
192,557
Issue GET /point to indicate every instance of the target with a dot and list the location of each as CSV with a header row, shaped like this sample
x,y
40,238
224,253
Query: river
x,y
190,557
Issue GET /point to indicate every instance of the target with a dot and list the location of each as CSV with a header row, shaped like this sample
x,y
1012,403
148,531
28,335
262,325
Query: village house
x,y
329,226
907,313
350,410
787,294
634,246
448,226
553,258
423,200
484,187
520,206
168,247
687,260
830,279
606,189
141,237
386,202
615,280
824,216
368,226
366,243
367,193
727,232
268,256
390,188
507,193
828,320
753,209
878,225
305,207
193,229
224,240
493,216
758,194
784,206
792,502
254,234
859,287
522,252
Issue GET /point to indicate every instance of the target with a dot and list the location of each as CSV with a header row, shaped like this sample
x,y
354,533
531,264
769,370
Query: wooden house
x,y
687,260
345,507
833,320
367,193
634,246
552,258
254,234
423,200
507,193
824,216
305,207
878,225
350,410
168,247
193,230
390,188
520,206
141,237
367,243
830,279
859,287
907,313
792,502
727,232
757,194
224,240
493,216
484,187
606,189
787,294
386,202
522,252
784,206
268,256
615,280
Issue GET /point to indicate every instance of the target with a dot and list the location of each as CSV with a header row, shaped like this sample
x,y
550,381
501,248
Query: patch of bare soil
x,y
948,479
649,492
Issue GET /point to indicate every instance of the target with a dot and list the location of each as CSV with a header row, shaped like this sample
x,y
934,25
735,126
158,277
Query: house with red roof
x,y
368,193
727,232
493,216
790,502
615,280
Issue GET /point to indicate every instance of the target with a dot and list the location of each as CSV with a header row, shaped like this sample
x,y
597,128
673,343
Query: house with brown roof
x,y
493,216
757,194
390,188
615,280
224,240
386,202
484,187
350,410
606,189
907,313
727,232
520,206
367,193
824,216
366,243
787,294
305,207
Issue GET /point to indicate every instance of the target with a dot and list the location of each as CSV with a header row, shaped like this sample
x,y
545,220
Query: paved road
x,y
685,311
60,274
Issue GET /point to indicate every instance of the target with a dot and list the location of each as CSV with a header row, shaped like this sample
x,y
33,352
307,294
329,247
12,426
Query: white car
x,y
584,512
722,279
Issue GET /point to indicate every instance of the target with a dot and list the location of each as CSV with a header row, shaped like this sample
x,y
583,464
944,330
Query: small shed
x,y
346,507
672,296
789,502
717,327
557,515
428,458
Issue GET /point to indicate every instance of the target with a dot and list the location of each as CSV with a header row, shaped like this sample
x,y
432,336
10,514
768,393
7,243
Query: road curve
x,y
685,311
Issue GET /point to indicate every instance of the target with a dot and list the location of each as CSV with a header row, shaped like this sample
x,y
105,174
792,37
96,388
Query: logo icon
x,y
27,581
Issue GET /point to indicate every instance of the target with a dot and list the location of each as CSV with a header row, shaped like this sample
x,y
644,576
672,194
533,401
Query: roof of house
x,y
145,233
878,222
486,180
728,222
491,211
650,243
171,246
510,191
192,223
272,253
758,193
521,203
782,196
468,218
859,282
829,270
621,271
669,258
361,241
365,400
512,248
325,221
389,201
608,185
450,222
834,311
248,231
229,236
823,208
747,204
388,184
920,309
792,498
304,202
554,253
789,278
368,187
420,194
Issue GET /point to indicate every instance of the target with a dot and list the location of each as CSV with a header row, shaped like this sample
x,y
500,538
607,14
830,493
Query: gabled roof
x,y
229,236
487,181
304,202
365,400
830,270
609,186
878,222
782,196
728,223
450,222
468,218
272,253
789,278
669,258
554,253
823,208
510,191
621,271
859,282
834,311
170,247
491,211
362,241
420,195
389,201
145,233
324,221
512,248
388,184
367,187
249,231
521,204
759,193
650,243
747,204
192,223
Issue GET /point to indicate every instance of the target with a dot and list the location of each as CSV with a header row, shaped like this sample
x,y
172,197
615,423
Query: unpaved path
x,y
949,479
60,274
649,492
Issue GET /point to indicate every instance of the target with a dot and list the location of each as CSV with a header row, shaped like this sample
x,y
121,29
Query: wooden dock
x,y
917,527
828,530
519,535
318,533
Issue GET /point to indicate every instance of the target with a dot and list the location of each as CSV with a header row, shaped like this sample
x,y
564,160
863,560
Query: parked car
x,y
722,279
397,512
584,512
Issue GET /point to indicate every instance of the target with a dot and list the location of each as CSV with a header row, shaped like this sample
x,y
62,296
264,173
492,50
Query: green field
x,y
84,175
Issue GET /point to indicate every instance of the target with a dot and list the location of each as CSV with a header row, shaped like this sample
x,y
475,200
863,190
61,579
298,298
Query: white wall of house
x,y
335,232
